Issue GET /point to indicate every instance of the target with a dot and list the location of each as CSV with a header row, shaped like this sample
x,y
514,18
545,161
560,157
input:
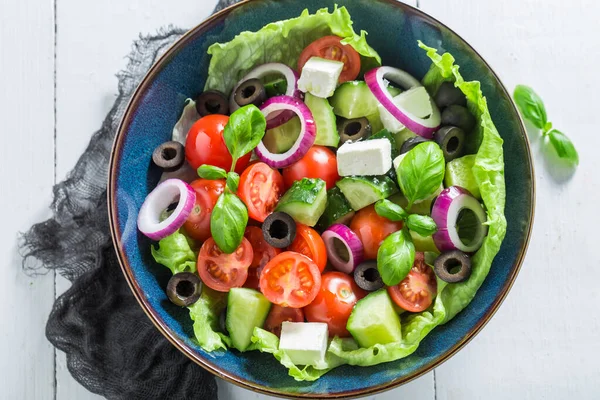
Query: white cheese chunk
x,y
304,342
320,77
369,157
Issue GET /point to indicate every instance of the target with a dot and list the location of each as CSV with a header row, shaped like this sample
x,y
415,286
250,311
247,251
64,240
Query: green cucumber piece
x,y
277,87
327,134
375,121
373,320
337,210
354,99
459,172
403,136
423,243
364,190
246,309
280,139
305,201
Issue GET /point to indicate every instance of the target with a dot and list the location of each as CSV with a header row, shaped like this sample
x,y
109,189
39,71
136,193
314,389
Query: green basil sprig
x,y
228,222
395,257
233,180
211,172
421,172
424,225
532,108
390,210
244,131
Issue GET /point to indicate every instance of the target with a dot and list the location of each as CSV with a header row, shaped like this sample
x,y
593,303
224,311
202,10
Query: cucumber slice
x,y
375,121
364,190
374,320
327,134
337,210
246,309
280,139
403,136
422,207
423,243
305,201
277,87
354,99
459,172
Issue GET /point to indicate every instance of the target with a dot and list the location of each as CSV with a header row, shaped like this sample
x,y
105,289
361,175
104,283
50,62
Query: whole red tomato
x,y
371,229
318,162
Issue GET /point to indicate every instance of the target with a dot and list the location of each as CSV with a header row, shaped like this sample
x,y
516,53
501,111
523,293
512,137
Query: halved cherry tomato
x,y
290,280
263,253
205,144
331,48
197,226
309,242
334,303
279,314
221,271
371,229
260,189
318,162
416,292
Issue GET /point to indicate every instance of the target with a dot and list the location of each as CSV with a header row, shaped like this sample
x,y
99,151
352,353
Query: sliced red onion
x,y
376,81
306,138
445,212
163,195
336,235
261,71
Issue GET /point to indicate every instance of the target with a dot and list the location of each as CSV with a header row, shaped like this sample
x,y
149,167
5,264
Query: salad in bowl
x,y
322,207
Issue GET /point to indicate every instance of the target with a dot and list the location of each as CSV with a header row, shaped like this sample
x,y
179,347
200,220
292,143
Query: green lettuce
x,y
205,313
175,253
282,42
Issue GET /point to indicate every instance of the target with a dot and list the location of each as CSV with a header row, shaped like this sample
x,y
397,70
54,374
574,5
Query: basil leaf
x,y
233,180
531,106
563,146
395,257
390,210
228,222
421,172
424,225
244,131
211,172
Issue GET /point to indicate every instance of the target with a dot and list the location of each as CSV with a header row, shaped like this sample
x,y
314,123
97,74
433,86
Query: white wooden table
x,y
57,64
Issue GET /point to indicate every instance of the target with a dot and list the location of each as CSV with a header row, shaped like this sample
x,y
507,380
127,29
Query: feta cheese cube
x,y
304,342
320,76
369,157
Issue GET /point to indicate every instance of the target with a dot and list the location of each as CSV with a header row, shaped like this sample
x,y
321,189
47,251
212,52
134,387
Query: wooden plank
x,y
541,344
27,176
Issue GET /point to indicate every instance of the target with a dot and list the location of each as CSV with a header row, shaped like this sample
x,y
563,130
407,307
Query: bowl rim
x,y
215,369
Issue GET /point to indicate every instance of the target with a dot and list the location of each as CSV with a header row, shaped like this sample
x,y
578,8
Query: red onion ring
x,y
353,245
164,194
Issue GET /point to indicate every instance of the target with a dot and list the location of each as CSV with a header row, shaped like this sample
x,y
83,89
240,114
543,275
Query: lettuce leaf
x,y
282,41
205,314
175,253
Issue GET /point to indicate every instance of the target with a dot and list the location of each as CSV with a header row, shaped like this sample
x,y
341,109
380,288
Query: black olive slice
x,y
410,143
251,91
367,276
453,266
451,140
354,129
184,289
448,95
212,102
458,116
279,229
169,155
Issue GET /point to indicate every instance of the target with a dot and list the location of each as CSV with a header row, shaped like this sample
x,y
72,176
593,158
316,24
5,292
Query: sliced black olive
x,y
354,129
410,143
184,289
250,92
453,266
169,155
367,276
458,116
223,320
448,95
279,229
212,102
451,140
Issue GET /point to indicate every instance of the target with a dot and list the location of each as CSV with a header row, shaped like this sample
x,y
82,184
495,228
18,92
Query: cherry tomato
x,y
197,226
252,281
205,144
309,242
331,48
260,189
263,252
279,314
371,229
416,292
290,280
334,303
221,271
318,162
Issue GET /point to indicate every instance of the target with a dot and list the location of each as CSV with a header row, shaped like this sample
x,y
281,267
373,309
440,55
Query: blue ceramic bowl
x,y
393,31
